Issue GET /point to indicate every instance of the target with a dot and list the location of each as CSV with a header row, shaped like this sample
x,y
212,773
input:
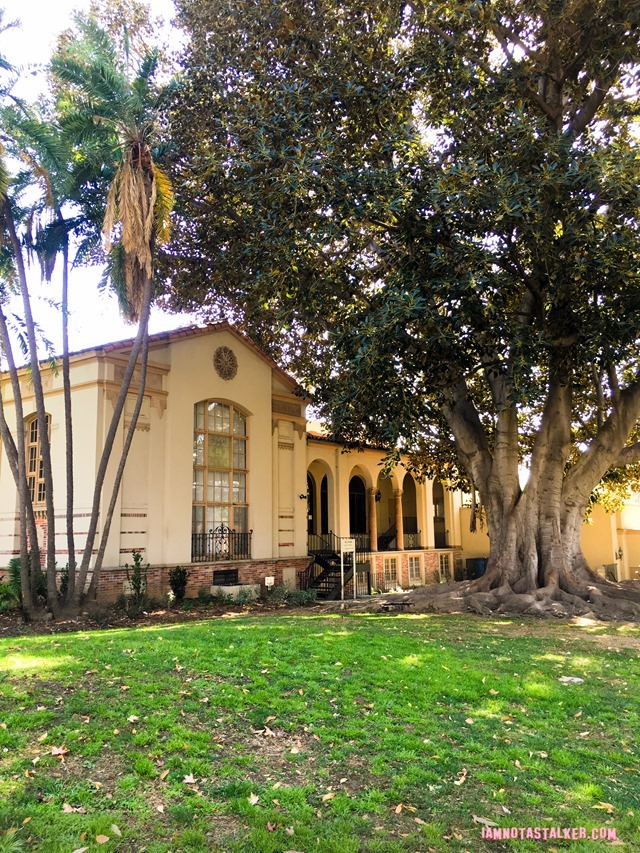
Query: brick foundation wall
x,y
430,567
112,581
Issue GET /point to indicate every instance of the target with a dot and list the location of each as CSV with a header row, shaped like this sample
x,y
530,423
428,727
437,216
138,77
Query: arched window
x,y
219,467
35,468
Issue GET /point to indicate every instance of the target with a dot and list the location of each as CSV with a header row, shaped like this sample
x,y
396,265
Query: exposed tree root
x,y
594,598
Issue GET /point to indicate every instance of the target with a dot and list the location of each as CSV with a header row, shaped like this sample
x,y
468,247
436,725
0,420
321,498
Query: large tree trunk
x,y
536,564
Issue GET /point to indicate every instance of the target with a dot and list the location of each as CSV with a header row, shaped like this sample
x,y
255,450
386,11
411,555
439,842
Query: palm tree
x,y
105,106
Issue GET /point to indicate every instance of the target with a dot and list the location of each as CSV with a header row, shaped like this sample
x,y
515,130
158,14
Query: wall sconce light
x,y
378,496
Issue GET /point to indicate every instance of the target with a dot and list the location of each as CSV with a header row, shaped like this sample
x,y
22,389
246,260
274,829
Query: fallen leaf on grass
x,y
102,839
483,820
607,807
420,821
253,799
294,750
132,719
272,826
289,830
116,830
164,775
189,780
462,777
493,692
80,850
43,737
328,796
402,806
59,750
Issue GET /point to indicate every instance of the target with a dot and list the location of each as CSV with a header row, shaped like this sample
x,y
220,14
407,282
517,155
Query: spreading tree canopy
x,y
429,210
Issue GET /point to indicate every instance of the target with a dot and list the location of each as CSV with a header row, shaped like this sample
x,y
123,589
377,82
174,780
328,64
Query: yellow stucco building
x,y
226,477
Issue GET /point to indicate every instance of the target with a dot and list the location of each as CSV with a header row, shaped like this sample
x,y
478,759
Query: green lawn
x,y
318,733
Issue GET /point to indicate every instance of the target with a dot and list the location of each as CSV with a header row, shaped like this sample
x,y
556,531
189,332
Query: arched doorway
x,y
439,520
410,512
357,505
324,505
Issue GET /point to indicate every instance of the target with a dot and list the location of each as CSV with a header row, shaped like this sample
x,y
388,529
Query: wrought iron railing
x,y
329,543
412,541
221,543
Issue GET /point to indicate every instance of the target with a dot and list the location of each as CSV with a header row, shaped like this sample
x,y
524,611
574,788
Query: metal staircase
x,y
323,574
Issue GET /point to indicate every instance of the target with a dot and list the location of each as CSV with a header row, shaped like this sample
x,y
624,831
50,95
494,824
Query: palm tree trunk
x,y
66,383
12,456
142,334
43,432
19,470
144,319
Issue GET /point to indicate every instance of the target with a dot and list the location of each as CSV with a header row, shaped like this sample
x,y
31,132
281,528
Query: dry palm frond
x,y
164,205
42,176
131,202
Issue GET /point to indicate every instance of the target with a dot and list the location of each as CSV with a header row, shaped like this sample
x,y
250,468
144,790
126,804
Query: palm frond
x,y
165,200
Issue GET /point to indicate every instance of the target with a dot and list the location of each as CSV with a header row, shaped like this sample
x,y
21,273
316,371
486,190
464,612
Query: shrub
x,y
292,597
8,601
244,596
302,597
15,580
278,595
178,582
137,578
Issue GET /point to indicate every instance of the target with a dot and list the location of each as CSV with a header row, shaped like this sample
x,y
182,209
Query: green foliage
x,y
302,597
178,582
10,842
137,579
293,597
429,212
14,582
244,596
278,594
15,578
8,601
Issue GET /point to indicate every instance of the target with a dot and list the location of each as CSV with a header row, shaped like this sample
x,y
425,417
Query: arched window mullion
x,y
220,474
35,469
